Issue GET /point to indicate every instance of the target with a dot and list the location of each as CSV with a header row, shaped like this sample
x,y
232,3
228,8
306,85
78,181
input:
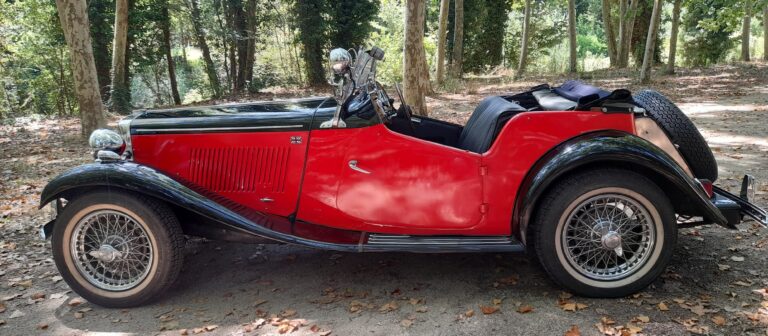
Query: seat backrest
x,y
486,122
576,89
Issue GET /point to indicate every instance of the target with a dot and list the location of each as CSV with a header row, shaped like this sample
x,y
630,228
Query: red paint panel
x,y
523,141
414,186
242,167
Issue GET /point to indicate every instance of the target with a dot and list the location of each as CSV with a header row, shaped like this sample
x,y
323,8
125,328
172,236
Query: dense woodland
x,y
82,58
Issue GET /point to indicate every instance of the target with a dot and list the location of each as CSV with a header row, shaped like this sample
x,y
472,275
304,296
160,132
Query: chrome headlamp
x,y
104,139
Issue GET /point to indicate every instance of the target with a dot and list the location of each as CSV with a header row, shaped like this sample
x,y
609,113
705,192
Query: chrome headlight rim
x,y
105,139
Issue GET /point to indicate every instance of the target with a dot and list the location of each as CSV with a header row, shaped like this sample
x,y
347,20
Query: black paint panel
x,y
249,117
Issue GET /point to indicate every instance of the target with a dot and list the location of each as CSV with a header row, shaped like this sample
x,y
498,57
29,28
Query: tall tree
x,y
670,69
610,35
765,32
572,36
745,30
120,96
442,31
309,15
458,39
101,15
627,15
415,72
73,15
238,21
165,25
210,68
525,39
650,43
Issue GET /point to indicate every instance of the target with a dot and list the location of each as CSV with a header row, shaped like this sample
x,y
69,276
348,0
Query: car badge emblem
x,y
295,140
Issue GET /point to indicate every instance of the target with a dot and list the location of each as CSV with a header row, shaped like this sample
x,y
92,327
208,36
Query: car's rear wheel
x,y
605,233
117,250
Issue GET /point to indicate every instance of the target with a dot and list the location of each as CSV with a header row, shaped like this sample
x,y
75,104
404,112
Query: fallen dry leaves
x,y
574,331
524,309
488,310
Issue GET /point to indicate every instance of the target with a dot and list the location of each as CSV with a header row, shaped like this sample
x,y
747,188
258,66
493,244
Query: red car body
x,y
416,187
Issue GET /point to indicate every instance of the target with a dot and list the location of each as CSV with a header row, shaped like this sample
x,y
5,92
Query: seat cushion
x,y
486,122
576,89
551,101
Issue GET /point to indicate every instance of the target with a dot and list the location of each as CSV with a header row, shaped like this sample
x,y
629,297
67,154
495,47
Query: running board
x,y
442,244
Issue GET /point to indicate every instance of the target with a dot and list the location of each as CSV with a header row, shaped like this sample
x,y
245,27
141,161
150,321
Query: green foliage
x,y
708,25
484,27
549,26
34,62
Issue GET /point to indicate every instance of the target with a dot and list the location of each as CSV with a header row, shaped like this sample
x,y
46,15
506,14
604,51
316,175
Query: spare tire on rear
x,y
681,131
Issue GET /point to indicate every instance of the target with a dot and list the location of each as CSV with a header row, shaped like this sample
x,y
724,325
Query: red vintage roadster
x,y
593,183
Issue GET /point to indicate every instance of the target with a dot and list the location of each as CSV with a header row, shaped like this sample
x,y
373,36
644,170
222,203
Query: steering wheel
x,y
404,111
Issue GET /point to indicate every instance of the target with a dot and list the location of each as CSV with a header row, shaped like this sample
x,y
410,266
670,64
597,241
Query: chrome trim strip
x,y
211,129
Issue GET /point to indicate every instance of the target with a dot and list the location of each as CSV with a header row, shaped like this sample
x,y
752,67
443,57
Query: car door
x,y
392,181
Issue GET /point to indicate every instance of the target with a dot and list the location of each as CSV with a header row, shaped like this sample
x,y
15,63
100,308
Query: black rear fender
x,y
612,149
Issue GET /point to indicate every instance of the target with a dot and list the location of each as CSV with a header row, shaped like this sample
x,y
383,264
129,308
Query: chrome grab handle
x,y
353,165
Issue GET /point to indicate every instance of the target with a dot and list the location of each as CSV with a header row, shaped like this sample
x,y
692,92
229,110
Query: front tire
x,y
605,233
116,249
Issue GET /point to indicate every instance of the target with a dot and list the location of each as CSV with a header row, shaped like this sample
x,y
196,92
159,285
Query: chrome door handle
x,y
353,165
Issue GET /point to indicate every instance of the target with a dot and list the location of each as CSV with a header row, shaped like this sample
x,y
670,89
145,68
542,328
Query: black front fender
x,y
149,182
608,148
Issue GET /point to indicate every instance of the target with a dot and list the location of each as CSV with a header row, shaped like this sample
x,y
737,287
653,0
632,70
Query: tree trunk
x,y
241,41
572,36
210,69
524,43
311,36
626,27
609,33
765,33
251,26
650,43
673,38
166,27
415,73
74,22
441,40
745,30
219,9
458,39
101,37
622,45
120,96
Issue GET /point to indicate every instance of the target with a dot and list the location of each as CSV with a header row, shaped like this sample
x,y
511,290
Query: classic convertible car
x,y
593,183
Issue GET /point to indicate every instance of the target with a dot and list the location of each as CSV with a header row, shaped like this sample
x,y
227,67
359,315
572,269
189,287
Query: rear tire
x,y
604,233
117,250
681,131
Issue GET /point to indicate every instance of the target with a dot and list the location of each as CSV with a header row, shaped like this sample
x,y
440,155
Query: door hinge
x,y
483,170
483,208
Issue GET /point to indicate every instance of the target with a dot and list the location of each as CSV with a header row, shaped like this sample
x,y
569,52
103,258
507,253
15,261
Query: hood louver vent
x,y
228,170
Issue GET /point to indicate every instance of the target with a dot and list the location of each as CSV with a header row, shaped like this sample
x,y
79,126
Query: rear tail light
x,y
707,186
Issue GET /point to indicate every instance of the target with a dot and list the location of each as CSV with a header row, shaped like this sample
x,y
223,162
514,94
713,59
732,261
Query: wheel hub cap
x,y
111,250
611,240
106,253
608,237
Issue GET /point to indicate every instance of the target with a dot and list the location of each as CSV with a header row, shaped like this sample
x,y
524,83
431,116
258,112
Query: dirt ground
x,y
714,285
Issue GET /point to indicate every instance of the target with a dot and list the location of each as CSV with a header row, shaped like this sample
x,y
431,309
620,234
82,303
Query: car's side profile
x,y
590,181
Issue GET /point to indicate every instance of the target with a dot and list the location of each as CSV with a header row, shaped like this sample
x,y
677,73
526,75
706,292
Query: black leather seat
x,y
486,122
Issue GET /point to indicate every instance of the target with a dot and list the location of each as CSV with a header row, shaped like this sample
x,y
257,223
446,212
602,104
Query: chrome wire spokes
x,y
111,250
608,237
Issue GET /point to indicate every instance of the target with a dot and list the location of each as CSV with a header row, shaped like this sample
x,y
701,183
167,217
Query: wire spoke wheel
x,y
111,250
608,237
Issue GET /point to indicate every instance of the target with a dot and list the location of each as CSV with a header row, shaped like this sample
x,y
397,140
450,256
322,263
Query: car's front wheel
x,y
116,249
605,233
